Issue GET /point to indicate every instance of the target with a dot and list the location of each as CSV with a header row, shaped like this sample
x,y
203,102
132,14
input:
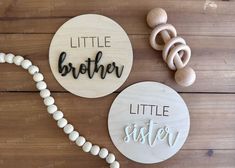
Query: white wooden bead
x,y
49,101
41,85
87,147
33,69
80,141
2,58
73,136
51,109
62,123
68,128
110,158
37,77
45,93
9,58
17,60
26,64
103,153
58,115
115,164
95,149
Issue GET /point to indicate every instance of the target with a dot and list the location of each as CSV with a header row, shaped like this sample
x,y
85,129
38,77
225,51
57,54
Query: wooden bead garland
x,y
175,52
58,115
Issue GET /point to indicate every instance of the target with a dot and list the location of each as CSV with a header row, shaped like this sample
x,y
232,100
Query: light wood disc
x,y
148,122
98,55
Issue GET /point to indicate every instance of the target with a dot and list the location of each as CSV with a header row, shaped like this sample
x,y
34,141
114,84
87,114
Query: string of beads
x,y
58,115
176,53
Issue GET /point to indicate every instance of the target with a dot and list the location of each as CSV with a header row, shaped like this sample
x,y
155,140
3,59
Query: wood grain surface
x,y
30,138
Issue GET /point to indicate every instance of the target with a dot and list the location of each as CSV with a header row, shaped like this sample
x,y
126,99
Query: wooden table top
x,y
30,138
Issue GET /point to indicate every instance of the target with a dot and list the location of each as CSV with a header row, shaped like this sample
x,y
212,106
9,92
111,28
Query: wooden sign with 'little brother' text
x,y
148,122
91,56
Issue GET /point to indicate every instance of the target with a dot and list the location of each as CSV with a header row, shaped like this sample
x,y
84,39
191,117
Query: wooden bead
x,y
110,158
58,115
103,153
26,64
115,164
87,147
18,60
80,141
185,76
51,109
68,128
37,77
156,16
41,85
73,136
45,93
49,101
95,149
61,123
9,58
33,69
2,58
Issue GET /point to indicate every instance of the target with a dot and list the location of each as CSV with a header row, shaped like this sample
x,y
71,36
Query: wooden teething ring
x,y
175,52
156,32
172,60
171,43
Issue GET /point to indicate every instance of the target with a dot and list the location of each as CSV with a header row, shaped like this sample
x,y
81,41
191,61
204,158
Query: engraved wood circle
x,y
148,122
91,55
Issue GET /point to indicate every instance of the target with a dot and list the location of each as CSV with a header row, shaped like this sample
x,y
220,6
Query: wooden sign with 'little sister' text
x,y
148,122
91,56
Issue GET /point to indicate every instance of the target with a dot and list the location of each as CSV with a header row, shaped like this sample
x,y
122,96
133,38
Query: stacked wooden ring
x,y
58,115
175,52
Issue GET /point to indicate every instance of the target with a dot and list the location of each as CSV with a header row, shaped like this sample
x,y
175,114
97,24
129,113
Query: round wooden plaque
x,y
148,122
90,56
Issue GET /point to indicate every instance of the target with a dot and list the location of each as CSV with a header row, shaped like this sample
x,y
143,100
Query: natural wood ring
x,y
168,27
182,63
170,44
